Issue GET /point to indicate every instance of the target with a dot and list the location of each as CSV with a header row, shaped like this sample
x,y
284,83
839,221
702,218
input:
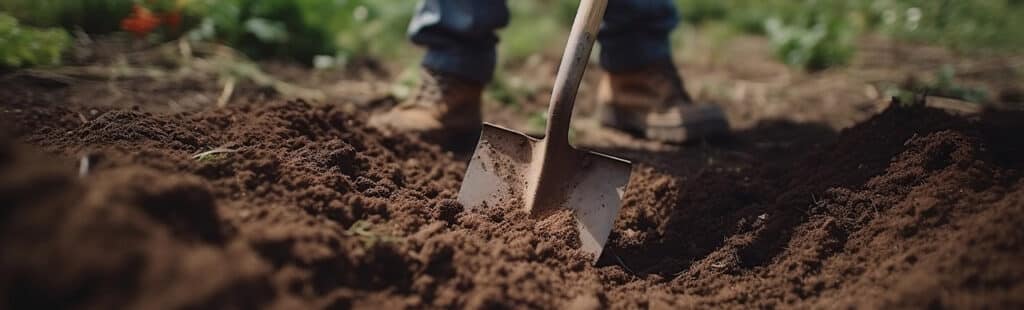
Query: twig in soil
x,y
196,59
208,155
225,95
83,166
99,72
186,50
41,75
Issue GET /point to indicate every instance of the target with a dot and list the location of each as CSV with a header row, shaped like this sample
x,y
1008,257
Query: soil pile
x,y
292,205
913,208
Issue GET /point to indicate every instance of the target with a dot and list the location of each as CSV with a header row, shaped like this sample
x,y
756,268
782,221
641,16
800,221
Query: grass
x,y
964,25
943,84
535,25
819,33
813,34
370,237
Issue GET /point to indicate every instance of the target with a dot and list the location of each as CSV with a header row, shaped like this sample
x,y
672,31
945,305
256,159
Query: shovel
x,y
543,175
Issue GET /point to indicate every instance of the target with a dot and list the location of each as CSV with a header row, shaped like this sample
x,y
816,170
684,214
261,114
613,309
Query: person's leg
x,y
461,55
635,33
460,35
643,92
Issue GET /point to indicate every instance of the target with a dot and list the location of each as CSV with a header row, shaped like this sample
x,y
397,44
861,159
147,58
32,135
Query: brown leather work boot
x,y
652,103
443,110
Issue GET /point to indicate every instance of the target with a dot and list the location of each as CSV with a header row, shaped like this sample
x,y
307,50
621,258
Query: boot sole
x,y
699,122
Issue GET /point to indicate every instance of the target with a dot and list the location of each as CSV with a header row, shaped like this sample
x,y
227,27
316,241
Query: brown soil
x,y
310,209
106,205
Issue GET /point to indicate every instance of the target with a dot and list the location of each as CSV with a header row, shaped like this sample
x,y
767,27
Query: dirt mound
x,y
907,209
327,213
293,205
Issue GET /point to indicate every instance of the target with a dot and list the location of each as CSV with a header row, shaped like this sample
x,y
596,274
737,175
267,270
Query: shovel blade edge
x,y
600,181
496,174
590,184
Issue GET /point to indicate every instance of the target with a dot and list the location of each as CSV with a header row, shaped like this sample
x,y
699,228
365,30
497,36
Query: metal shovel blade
x,y
511,168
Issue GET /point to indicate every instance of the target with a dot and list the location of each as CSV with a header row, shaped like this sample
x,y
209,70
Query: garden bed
x,y
297,205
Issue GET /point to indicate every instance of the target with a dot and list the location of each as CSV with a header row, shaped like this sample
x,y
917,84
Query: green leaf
x,y
29,46
267,31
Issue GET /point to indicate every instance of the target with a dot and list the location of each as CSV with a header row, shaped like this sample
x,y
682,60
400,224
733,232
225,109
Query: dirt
x,y
907,209
110,202
308,208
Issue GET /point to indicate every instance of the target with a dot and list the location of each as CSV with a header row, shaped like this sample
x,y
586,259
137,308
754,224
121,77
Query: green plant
x,y
509,90
302,29
28,46
537,122
370,237
824,43
817,31
945,85
534,26
700,11
965,25
805,33
92,16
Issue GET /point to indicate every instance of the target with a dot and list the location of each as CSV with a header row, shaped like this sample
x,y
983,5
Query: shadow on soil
x,y
731,186
741,199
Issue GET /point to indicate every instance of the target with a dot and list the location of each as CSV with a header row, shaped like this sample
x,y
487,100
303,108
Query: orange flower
x,y
172,19
141,22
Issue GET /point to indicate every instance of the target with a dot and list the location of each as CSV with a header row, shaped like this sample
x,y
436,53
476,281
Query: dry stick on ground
x,y
224,59
211,59
186,51
225,95
83,166
40,75
204,155
101,72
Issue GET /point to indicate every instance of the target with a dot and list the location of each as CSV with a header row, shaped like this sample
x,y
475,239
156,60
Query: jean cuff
x,y
473,65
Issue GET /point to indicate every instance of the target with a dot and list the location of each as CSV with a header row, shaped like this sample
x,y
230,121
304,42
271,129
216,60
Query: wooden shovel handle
x,y
570,72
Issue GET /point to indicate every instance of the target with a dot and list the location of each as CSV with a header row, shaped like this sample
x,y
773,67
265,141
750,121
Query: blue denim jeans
x,y
460,35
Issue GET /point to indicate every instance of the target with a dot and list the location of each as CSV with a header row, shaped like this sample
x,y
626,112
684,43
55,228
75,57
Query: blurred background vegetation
x,y
811,34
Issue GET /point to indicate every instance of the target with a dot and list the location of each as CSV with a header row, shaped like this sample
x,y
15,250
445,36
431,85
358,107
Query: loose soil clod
x,y
915,207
